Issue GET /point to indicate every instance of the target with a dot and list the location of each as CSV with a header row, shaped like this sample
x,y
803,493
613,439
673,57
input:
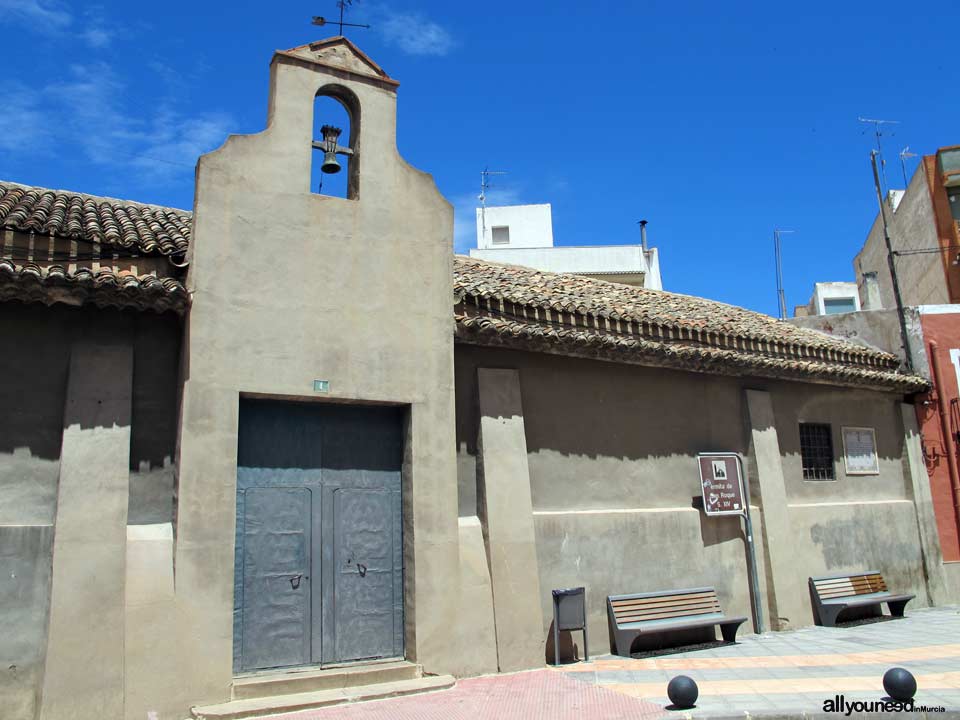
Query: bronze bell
x,y
330,149
330,164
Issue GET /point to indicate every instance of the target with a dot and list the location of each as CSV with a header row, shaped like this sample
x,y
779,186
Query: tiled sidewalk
x,y
787,674
792,673
517,696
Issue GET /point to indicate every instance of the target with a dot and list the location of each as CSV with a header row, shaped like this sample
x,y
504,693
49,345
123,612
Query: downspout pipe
x,y
949,443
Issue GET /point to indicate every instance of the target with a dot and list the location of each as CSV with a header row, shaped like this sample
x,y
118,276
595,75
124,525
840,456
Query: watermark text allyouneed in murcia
x,y
840,704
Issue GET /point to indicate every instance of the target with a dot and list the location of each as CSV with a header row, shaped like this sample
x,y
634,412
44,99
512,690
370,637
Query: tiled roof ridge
x,y
630,349
99,198
130,224
772,338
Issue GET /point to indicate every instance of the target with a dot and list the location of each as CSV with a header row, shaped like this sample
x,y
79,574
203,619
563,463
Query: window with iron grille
x,y
816,451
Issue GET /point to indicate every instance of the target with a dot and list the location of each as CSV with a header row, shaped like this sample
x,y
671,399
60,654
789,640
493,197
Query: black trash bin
x,y
569,613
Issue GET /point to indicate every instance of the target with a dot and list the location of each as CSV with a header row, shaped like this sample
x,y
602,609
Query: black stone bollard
x,y
900,684
683,692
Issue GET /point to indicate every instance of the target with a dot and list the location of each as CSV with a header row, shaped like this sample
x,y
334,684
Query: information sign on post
x,y
721,477
722,484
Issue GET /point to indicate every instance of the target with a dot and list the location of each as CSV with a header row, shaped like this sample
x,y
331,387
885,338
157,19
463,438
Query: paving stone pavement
x,y
785,675
791,674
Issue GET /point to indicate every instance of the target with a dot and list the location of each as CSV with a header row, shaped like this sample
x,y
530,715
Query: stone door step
x,y
289,682
261,706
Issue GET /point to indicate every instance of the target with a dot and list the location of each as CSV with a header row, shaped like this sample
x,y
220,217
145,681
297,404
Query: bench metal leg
x,y
729,632
828,615
586,651
623,641
897,607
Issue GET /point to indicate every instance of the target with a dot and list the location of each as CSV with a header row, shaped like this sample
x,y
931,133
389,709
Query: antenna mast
x,y
484,186
904,154
778,255
878,133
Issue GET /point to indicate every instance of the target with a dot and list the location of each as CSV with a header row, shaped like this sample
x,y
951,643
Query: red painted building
x,y
939,419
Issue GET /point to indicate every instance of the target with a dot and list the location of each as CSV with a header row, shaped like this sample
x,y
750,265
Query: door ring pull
x,y
295,581
363,569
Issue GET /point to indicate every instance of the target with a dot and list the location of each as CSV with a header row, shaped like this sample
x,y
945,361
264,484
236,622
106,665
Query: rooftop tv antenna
x,y
904,154
781,299
878,132
484,186
343,5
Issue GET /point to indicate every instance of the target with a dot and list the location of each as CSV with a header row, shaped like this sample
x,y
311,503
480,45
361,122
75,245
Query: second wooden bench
x,y
830,595
644,614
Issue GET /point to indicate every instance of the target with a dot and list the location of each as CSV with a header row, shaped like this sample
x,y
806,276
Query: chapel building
x,y
247,446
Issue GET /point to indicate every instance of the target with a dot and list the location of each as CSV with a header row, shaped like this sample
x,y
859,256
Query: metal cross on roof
x,y
343,5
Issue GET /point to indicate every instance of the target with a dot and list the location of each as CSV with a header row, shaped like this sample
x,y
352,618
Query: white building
x,y
830,298
523,235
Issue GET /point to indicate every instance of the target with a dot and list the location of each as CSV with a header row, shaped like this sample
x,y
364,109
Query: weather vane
x,y
343,5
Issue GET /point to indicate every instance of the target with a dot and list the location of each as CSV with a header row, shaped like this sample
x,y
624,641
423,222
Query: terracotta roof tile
x,y
145,228
497,304
30,282
494,304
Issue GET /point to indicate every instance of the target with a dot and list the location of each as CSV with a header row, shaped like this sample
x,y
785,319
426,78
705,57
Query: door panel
x,y
318,498
364,573
275,609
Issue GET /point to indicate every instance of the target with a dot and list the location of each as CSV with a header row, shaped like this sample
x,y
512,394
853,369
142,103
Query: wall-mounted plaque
x,y
860,451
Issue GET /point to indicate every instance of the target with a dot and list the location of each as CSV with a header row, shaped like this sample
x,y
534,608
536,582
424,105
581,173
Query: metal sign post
x,y
721,478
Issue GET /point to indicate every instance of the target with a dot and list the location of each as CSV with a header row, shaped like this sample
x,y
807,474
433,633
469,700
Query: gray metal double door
x,y
318,563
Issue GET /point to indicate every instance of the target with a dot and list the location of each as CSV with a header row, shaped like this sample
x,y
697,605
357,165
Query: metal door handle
x,y
295,581
363,569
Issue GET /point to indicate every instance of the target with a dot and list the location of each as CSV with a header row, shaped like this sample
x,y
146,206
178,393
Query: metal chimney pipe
x,y
643,235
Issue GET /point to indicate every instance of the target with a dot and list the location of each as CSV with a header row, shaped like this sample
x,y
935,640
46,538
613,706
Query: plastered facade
x,y
611,453
522,472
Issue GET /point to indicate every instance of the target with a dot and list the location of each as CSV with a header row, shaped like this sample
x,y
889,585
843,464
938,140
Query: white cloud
x,y
40,15
97,37
176,141
413,33
96,33
22,124
90,112
52,17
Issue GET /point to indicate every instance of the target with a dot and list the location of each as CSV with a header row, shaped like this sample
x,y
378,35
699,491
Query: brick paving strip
x,y
517,696
787,674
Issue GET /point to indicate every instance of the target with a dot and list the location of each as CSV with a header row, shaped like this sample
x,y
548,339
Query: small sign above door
x,y
722,483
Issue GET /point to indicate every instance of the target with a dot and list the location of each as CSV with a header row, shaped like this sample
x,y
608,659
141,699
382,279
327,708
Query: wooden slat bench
x,y
631,616
830,595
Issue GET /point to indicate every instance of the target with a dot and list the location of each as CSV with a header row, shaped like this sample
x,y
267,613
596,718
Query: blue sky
x,y
715,121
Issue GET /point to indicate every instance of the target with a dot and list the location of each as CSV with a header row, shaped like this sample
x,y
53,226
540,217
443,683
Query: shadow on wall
x,y
719,529
35,373
571,646
599,409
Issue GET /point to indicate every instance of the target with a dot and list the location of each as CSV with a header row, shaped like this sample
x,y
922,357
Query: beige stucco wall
x,y
289,287
611,454
912,227
36,371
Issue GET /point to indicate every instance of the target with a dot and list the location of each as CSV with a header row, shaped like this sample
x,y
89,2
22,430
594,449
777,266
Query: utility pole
x,y
879,133
904,338
778,255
